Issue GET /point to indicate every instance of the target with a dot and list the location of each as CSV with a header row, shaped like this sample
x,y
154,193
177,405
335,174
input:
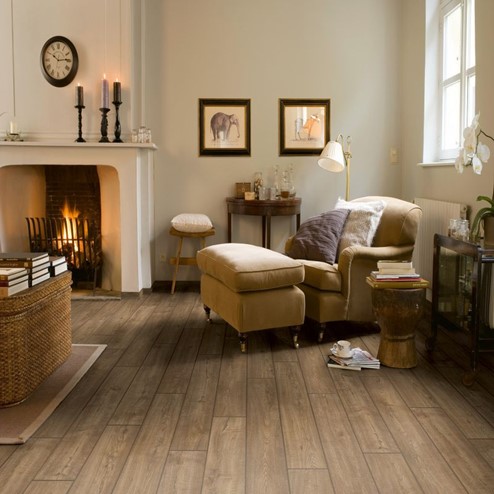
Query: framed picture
x,y
304,126
224,127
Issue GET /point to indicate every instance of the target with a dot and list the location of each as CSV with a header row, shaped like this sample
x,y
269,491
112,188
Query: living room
x,y
366,56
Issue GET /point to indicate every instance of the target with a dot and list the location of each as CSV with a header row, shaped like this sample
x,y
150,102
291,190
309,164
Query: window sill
x,y
430,164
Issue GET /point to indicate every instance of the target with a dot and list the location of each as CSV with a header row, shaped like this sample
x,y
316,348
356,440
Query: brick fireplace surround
x,y
126,179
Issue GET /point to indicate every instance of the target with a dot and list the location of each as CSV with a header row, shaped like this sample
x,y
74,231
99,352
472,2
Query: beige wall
x,y
346,51
443,183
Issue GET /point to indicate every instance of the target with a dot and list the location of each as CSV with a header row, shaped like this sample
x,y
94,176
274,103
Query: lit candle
x,y
105,93
117,92
79,95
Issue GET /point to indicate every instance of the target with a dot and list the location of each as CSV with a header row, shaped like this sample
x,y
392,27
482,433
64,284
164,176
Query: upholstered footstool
x,y
252,288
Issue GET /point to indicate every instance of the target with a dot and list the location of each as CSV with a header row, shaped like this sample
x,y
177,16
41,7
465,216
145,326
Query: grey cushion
x,y
317,238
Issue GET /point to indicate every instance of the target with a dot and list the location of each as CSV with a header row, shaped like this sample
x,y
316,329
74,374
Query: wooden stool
x,y
189,261
398,311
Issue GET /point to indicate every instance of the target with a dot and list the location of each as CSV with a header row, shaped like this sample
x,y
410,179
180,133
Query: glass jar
x,y
257,183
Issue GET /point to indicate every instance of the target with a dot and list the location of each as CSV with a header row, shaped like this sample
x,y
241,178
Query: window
x,y
450,76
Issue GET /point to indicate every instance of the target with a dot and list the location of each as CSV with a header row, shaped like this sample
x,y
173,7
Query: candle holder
x,y
104,125
79,118
118,128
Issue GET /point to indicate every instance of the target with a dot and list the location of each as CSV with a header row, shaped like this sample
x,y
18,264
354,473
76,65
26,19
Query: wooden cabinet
x,y
461,295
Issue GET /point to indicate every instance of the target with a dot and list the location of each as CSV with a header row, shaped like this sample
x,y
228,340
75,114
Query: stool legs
x,y
177,262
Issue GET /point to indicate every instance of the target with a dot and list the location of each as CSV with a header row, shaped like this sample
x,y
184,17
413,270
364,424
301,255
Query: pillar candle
x,y
79,95
117,92
105,94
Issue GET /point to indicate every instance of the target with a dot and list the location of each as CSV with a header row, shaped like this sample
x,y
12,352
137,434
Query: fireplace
x,y
125,173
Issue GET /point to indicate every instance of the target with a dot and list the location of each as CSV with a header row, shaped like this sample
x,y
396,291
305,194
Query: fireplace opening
x,y
72,226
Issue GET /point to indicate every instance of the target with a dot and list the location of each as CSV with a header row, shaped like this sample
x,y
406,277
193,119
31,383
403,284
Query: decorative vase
x,y
489,230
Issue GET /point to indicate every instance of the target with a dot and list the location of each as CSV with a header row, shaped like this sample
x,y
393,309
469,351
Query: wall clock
x,y
59,61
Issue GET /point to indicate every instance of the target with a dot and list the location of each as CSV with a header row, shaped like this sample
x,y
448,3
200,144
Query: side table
x,y
266,209
398,310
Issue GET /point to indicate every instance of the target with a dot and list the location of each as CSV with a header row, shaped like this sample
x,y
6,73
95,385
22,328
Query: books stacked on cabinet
x,y
58,265
360,359
12,281
396,274
36,264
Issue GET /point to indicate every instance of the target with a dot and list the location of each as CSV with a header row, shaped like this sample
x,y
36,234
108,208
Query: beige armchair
x,y
338,292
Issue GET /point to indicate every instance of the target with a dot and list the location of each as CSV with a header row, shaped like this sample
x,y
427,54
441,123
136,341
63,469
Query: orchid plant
x,y
474,152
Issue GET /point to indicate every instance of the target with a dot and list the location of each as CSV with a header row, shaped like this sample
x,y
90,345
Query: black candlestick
x,y
79,111
104,125
118,129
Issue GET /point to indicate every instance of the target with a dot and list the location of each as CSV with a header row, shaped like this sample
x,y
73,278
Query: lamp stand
x,y
348,158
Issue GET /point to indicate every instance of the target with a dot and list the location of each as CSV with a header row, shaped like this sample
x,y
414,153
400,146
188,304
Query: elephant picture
x,y
224,127
221,124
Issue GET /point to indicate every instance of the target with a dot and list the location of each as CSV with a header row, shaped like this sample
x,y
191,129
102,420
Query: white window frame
x,y
436,10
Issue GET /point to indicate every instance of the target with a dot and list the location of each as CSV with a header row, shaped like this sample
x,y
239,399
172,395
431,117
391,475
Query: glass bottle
x,y
257,183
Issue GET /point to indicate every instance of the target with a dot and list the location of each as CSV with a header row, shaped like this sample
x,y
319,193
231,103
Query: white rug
x,y
19,422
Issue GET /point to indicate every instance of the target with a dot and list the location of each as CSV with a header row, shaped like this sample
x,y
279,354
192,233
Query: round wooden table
x,y
398,310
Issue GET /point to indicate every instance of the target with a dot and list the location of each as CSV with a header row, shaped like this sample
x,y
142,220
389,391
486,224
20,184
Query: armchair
x,y
337,292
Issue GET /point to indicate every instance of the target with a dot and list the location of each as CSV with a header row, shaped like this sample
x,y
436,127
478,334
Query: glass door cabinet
x,y
461,295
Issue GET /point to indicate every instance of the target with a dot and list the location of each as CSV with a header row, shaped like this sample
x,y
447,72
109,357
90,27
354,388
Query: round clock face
x,y
59,61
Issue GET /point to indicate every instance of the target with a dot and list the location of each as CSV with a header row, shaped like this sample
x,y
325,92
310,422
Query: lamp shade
x,y
332,158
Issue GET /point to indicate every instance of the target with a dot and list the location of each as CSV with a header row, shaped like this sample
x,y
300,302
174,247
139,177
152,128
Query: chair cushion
x,y
192,222
322,275
317,238
244,267
361,224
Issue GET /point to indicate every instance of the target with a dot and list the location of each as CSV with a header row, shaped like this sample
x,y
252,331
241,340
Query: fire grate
x,y
78,239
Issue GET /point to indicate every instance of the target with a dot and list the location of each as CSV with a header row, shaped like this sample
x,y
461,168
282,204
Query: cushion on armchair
x,y
361,224
317,238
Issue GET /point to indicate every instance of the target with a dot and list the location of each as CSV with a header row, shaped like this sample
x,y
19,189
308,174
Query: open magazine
x,y
360,359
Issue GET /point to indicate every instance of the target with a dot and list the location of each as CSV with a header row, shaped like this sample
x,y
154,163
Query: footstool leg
x,y
322,328
295,330
207,310
243,342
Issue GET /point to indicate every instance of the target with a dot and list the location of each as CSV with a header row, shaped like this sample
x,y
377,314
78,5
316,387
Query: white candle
x,y
13,127
105,93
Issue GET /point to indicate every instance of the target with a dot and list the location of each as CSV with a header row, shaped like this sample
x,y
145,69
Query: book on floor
x,y
360,359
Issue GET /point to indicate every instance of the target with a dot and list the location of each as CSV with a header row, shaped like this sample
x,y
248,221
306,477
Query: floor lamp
x,y
334,159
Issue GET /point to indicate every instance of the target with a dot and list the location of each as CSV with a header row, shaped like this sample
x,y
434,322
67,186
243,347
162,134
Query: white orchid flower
x,y
460,161
470,140
483,152
476,165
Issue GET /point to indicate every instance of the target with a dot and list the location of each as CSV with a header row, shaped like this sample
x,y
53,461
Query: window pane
x,y
451,116
470,52
470,110
452,43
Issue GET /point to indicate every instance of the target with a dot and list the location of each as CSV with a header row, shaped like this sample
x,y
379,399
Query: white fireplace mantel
x,y
134,166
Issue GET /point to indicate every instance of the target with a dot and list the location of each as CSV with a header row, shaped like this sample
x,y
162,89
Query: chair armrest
x,y
356,262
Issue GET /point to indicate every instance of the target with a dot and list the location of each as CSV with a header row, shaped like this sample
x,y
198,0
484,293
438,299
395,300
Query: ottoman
x,y
252,288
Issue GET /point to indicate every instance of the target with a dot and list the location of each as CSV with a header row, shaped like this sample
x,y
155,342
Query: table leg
x,y
229,227
298,221
268,231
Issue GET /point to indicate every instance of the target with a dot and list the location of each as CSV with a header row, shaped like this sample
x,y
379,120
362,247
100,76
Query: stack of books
x,y
396,274
58,265
360,359
13,280
36,264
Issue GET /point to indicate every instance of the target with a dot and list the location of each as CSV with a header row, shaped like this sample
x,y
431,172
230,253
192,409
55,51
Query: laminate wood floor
x,y
173,406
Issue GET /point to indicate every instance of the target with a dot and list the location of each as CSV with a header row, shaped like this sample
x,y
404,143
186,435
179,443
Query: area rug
x,y
19,422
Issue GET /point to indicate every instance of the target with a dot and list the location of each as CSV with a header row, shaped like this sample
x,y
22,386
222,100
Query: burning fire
x,y
70,226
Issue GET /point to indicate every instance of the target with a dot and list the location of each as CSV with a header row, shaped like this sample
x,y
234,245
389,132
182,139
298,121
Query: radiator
x,y
435,219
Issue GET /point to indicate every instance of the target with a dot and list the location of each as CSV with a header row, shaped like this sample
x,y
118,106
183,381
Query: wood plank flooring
x,y
173,406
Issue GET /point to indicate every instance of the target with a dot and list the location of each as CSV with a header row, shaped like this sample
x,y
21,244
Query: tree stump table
x,y
398,310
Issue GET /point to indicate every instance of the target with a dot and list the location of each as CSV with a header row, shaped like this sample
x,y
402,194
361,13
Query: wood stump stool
x,y
398,311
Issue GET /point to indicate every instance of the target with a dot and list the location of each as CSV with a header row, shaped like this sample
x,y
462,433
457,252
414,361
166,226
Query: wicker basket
x,y
35,337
